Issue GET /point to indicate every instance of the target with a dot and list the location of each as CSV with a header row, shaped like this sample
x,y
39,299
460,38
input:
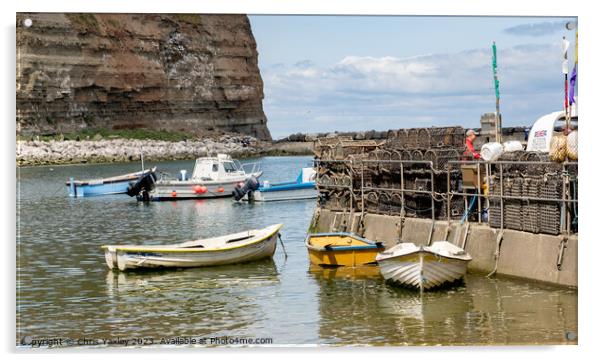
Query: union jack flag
x,y
541,133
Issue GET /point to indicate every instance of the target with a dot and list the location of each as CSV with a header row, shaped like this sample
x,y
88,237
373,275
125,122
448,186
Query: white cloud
x,y
434,89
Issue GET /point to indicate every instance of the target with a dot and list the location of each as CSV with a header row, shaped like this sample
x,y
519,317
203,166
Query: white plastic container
x,y
511,146
491,151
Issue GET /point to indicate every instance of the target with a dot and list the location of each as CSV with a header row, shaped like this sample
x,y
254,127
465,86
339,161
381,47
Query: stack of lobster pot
x,y
345,165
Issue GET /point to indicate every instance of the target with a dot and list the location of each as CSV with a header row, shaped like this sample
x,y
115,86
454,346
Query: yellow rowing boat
x,y
341,249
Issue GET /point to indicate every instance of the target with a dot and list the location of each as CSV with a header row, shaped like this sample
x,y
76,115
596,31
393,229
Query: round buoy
x,y
198,189
221,189
174,194
203,189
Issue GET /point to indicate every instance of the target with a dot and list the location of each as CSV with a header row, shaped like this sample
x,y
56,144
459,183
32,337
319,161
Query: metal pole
x,y
478,190
403,194
448,195
502,197
565,71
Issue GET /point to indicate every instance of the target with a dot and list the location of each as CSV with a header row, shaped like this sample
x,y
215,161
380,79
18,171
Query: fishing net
x,y
571,146
558,150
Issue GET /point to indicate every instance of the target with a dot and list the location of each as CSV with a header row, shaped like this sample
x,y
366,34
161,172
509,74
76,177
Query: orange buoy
x,y
221,189
198,189
174,193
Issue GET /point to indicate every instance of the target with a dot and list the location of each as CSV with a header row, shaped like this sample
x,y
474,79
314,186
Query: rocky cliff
x,y
181,72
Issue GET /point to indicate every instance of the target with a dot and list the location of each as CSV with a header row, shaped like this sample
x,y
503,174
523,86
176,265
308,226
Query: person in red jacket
x,y
471,135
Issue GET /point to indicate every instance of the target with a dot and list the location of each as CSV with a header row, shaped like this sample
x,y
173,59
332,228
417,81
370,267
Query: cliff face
x,y
181,72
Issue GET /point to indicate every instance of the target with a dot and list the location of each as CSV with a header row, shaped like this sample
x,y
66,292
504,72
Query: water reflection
x,y
64,288
360,308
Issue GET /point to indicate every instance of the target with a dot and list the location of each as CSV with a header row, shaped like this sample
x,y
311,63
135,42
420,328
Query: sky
x,y
351,73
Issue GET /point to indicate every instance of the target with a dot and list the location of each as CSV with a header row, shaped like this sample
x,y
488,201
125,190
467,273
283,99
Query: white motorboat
x,y
212,177
423,267
228,249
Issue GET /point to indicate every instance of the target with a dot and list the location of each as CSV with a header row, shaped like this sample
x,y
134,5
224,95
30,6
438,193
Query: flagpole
x,y
565,71
496,84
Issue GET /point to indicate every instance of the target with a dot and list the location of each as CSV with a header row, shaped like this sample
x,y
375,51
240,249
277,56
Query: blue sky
x,y
327,73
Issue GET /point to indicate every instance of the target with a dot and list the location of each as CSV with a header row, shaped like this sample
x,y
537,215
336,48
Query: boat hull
x,y
100,189
106,186
185,190
306,193
422,270
341,250
180,257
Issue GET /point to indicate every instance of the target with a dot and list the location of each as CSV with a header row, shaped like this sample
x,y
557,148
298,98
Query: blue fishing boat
x,y
107,186
304,187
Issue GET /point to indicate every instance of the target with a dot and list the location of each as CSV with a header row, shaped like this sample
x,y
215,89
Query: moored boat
x,y
303,188
106,186
212,177
228,249
423,267
341,249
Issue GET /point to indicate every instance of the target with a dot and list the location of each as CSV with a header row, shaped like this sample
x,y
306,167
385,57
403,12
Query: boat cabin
x,y
220,167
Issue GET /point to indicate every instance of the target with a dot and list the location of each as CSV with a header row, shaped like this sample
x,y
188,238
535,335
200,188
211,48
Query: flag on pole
x,y
572,88
565,51
496,82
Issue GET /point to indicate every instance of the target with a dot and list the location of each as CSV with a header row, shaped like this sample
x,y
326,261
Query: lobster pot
x,y
491,151
571,146
540,169
417,155
393,140
402,138
384,203
371,202
512,167
531,208
513,215
396,203
424,138
339,200
549,211
447,137
456,209
395,167
440,157
412,139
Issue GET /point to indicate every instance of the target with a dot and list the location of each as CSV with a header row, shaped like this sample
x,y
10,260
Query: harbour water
x,y
65,290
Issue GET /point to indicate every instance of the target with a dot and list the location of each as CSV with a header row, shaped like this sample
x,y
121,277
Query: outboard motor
x,y
145,182
252,184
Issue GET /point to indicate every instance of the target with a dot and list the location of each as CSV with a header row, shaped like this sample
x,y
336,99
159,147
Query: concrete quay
x,y
540,257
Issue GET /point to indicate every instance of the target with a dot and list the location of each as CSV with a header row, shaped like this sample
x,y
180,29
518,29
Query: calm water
x,y
65,289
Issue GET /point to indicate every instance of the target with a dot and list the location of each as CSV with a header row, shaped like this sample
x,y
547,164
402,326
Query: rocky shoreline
x,y
54,152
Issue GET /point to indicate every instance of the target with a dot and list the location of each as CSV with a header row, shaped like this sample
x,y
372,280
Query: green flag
x,y
496,82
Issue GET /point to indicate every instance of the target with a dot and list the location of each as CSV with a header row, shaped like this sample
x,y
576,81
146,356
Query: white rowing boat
x,y
229,249
423,267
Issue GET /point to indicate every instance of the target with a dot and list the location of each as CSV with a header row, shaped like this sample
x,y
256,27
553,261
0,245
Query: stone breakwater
x,y
32,153
126,150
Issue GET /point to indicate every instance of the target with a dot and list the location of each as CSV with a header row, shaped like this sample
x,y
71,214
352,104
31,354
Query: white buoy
x,y
27,22
491,151
511,146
